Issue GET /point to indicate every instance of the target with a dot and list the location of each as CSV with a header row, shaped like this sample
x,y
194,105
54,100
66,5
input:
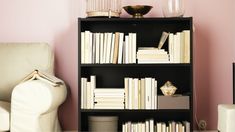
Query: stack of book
x,y
140,93
179,47
101,48
152,55
109,98
87,92
148,126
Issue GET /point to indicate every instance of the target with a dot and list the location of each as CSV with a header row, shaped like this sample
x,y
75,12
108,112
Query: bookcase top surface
x,y
138,19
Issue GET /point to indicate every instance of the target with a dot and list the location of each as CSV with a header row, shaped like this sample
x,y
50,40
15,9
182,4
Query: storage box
x,y
103,123
173,102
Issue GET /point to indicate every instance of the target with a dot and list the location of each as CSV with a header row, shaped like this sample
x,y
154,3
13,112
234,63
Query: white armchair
x,y
30,106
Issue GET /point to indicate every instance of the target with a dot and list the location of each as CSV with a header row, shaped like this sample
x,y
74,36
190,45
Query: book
x,y
97,49
88,86
101,48
82,47
134,37
163,39
120,49
108,48
46,77
93,86
112,48
116,49
84,93
187,46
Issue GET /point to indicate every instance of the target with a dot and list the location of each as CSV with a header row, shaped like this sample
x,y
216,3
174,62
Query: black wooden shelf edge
x,y
134,110
136,19
135,65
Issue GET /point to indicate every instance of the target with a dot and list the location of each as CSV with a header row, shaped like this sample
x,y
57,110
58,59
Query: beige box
x,y
103,123
173,102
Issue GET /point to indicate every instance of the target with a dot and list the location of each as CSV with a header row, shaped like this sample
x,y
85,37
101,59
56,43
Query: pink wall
x,y
55,22
52,21
214,53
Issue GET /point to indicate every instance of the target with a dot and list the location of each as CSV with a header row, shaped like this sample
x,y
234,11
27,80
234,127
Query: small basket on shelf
x,y
103,8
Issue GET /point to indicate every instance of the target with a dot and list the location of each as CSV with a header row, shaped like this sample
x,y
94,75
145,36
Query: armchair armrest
x,y
37,96
33,100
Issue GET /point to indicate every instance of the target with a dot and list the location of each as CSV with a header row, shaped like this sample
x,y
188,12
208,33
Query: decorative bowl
x,y
168,89
137,11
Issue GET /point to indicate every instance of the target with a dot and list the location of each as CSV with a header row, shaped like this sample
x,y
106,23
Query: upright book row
x,y
150,126
136,94
108,48
179,47
140,93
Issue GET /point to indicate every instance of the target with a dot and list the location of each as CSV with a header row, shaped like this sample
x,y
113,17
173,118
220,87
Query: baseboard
x,y
71,131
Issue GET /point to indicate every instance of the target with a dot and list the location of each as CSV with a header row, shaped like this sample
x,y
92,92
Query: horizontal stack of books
x,y
140,93
109,98
107,48
100,98
148,126
152,55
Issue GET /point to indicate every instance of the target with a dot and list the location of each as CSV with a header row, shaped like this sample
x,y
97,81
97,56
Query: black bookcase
x,y
148,31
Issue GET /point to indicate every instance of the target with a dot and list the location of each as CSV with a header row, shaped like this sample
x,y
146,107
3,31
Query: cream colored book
x,y
130,93
142,98
139,94
152,93
120,49
136,95
163,39
97,48
87,47
170,47
148,87
101,47
82,47
187,46
112,48
127,49
108,48
88,86
84,93
134,47
93,86
130,48
116,45
126,92
182,47
46,77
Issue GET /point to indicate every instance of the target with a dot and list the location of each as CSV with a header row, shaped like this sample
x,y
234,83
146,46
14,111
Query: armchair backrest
x,y
17,60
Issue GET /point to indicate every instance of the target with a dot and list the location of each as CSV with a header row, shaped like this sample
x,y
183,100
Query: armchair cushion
x,y
4,116
18,60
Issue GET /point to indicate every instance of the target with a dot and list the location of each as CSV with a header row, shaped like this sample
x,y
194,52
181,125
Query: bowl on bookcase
x,y
168,89
137,11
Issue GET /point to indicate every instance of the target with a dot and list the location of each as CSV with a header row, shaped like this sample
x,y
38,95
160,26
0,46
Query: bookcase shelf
x,y
137,65
148,31
135,110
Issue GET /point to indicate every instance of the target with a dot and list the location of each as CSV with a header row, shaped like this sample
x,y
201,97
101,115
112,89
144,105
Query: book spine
x,y
121,36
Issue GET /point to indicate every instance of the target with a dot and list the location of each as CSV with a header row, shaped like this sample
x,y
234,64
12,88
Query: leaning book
x,y
46,77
